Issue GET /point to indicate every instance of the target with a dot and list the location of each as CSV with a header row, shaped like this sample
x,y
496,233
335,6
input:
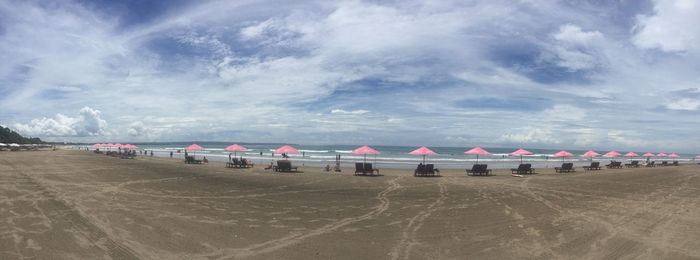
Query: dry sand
x,y
74,204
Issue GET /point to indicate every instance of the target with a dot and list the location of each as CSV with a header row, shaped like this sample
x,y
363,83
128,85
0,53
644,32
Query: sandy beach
x,y
79,205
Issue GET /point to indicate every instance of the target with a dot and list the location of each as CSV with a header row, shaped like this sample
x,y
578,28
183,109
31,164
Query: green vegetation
x,y
8,136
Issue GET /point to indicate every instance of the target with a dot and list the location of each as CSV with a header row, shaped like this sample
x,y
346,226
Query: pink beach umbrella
x,y
612,154
235,148
422,151
647,155
590,153
365,150
563,154
520,152
674,155
194,148
661,155
288,149
631,154
477,151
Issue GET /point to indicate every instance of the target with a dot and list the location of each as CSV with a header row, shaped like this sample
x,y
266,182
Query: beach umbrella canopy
x,y
235,148
674,155
477,151
288,149
520,152
648,155
422,151
612,154
661,155
563,154
631,154
194,147
590,153
365,150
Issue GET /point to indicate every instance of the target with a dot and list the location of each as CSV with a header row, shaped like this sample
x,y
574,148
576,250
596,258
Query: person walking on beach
x,y
171,154
151,153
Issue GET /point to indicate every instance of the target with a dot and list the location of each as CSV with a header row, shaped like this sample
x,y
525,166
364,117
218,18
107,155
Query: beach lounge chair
x,y
633,164
359,169
675,163
479,170
614,165
420,170
233,163
369,170
192,160
284,166
593,166
651,164
244,163
664,163
565,167
430,170
523,168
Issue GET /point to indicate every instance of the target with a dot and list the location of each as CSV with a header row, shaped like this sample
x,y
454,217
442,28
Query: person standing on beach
x,y
171,154
151,153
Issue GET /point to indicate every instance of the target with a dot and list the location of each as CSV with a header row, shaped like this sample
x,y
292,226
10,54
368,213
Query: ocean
x,y
390,157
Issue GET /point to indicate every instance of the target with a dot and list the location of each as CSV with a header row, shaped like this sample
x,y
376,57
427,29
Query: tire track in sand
x,y
291,239
408,236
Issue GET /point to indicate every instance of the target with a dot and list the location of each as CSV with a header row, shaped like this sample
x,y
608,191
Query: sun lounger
x,y
192,160
284,166
593,166
565,167
651,164
675,163
479,170
614,165
420,170
524,168
427,170
664,163
633,164
244,163
359,169
369,170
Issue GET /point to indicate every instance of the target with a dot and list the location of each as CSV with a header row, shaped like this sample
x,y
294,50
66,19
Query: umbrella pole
x,y
477,159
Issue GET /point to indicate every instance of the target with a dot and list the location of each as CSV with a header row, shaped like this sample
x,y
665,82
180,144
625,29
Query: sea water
x,y
389,157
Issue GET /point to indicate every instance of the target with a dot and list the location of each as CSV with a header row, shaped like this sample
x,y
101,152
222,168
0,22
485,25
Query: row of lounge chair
x,y
284,166
479,170
426,170
192,160
365,169
239,163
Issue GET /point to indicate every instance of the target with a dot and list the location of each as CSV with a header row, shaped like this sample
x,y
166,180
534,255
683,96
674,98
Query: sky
x,y
598,74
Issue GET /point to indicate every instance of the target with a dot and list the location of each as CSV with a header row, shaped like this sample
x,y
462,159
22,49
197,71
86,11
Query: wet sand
x,y
79,205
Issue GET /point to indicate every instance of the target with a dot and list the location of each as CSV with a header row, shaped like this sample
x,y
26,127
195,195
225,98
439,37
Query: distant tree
x,y
8,136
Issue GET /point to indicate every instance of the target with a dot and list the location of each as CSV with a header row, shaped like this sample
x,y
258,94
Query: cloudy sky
x,y
604,74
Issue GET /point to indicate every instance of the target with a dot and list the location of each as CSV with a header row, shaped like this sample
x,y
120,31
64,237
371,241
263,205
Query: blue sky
x,y
571,74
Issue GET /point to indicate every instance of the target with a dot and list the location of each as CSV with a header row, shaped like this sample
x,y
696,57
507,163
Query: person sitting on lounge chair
x,y
272,164
204,160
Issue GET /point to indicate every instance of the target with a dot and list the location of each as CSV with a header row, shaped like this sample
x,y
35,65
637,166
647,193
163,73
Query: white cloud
x,y
87,123
530,135
564,113
353,112
576,49
672,27
573,34
684,104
